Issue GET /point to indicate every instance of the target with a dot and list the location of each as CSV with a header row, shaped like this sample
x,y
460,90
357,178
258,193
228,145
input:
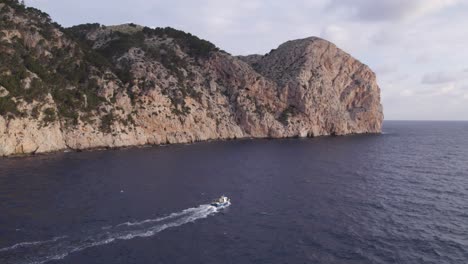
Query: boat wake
x,y
38,252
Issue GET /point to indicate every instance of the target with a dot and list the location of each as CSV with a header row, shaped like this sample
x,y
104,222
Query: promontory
x,y
93,86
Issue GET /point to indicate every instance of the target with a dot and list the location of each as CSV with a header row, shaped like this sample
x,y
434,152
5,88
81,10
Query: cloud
x,y
423,58
438,78
335,34
444,77
450,90
385,69
389,10
385,37
447,89
407,93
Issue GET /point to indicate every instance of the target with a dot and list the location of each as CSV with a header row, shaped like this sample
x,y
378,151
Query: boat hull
x,y
220,204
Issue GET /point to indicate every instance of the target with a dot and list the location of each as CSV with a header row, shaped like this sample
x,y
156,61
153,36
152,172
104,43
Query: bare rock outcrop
x,y
336,92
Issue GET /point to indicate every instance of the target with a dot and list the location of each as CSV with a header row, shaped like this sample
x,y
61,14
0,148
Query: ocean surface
x,y
399,197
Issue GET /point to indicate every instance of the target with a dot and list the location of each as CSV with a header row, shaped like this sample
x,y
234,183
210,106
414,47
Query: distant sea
x,y
399,197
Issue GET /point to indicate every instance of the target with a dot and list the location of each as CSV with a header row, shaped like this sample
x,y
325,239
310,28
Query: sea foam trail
x,y
38,252
32,243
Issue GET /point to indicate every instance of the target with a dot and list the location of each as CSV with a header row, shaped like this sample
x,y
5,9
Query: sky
x,y
418,48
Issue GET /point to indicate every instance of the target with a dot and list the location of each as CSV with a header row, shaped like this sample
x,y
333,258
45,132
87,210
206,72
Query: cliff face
x,y
95,86
338,94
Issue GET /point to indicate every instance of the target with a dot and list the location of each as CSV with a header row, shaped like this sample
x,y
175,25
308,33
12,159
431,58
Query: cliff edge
x,y
95,86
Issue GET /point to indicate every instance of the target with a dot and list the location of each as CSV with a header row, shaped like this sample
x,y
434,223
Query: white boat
x,y
221,202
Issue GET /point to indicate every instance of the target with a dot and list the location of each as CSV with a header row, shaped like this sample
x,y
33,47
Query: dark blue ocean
x,y
399,197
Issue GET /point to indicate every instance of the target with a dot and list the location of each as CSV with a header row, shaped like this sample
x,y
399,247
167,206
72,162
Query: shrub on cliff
x,y
7,106
286,114
37,91
106,123
80,31
191,44
49,116
122,43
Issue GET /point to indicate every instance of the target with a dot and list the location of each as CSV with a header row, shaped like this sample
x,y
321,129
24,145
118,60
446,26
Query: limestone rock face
x,y
93,86
336,92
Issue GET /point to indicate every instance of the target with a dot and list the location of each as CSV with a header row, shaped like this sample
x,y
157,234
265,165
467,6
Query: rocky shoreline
x,y
94,86
96,149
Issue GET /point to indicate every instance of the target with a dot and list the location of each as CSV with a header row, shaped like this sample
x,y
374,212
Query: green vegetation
x,y
37,91
49,116
35,112
183,111
131,120
80,31
191,44
66,101
91,57
47,32
21,9
39,13
124,72
70,73
16,5
92,98
12,71
12,83
34,66
106,123
72,101
7,106
271,51
287,113
122,43
168,57
97,60
64,73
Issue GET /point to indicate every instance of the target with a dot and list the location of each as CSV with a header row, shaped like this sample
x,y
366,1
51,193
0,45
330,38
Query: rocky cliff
x,y
95,86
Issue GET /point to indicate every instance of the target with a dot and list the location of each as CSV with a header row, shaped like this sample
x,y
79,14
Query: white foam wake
x,y
32,243
38,252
